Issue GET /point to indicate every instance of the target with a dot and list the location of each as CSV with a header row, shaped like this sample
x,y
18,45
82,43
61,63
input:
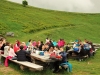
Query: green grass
x,y
37,24
44,23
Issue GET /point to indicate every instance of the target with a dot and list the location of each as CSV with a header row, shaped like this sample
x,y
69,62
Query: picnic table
x,y
44,58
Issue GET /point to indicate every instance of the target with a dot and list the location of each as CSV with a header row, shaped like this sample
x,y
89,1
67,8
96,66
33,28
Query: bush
x,y
24,3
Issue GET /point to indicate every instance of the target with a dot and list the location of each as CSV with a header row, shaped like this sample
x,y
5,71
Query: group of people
x,y
15,51
81,48
21,50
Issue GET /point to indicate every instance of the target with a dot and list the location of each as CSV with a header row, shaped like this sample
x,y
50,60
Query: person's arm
x,y
28,52
63,54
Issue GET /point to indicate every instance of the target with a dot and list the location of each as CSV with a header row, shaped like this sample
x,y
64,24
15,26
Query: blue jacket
x,y
64,56
69,66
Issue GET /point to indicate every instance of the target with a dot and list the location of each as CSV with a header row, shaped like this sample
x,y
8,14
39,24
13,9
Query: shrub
x,y
24,3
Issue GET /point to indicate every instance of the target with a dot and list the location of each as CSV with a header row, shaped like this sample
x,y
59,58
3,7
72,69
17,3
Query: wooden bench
x,y
23,64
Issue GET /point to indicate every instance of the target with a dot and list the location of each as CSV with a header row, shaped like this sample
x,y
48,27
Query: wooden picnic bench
x,y
23,64
96,45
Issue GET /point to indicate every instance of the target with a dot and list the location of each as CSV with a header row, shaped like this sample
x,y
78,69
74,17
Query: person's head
x,y
61,49
46,45
47,38
43,47
7,43
68,44
56,47
51,49
1,41
21,47
29,40
23,43
41,42
11,45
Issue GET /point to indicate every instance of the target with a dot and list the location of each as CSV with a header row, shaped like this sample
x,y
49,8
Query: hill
x,y
35,23
41,23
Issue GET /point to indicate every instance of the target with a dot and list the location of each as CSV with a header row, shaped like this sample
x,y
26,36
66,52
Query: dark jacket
x,y
40,47
21,55
64,56
2,48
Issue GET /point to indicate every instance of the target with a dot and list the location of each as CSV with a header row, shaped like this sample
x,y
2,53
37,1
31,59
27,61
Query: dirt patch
x,y
7,70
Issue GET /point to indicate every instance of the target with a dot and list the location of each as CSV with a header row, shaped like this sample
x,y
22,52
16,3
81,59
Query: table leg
x,y
33,60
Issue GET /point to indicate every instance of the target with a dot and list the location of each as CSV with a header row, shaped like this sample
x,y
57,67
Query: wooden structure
x,y
45,58
24,64
96,45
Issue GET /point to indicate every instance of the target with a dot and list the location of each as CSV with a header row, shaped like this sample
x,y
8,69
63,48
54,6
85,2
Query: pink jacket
x,y
11,52
6,60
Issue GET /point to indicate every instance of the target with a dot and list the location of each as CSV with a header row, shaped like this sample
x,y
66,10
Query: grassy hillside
x,y
35,23
40,23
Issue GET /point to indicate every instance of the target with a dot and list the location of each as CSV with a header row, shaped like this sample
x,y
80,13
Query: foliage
x,y
24,2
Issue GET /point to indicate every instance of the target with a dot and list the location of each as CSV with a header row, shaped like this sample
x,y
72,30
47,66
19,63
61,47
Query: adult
x,y
62,58
87,47
29,42
16,46
18,43
76,48
47,40
24,45
34,43
21,54
54,43
40,46
6,49
56,50
11,52
2,45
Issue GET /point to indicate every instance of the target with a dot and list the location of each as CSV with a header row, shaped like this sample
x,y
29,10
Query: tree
x,y
24,2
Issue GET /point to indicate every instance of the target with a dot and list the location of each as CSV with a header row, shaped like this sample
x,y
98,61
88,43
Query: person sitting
x,y
25,47
16,47
87,47
54,43
76,48
2,45
51,49
6,49
56,49
61,58
40,46
21,54
30,48
11,52
64,62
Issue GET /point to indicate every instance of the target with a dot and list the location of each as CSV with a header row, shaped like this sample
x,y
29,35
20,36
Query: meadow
x,y
37,24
